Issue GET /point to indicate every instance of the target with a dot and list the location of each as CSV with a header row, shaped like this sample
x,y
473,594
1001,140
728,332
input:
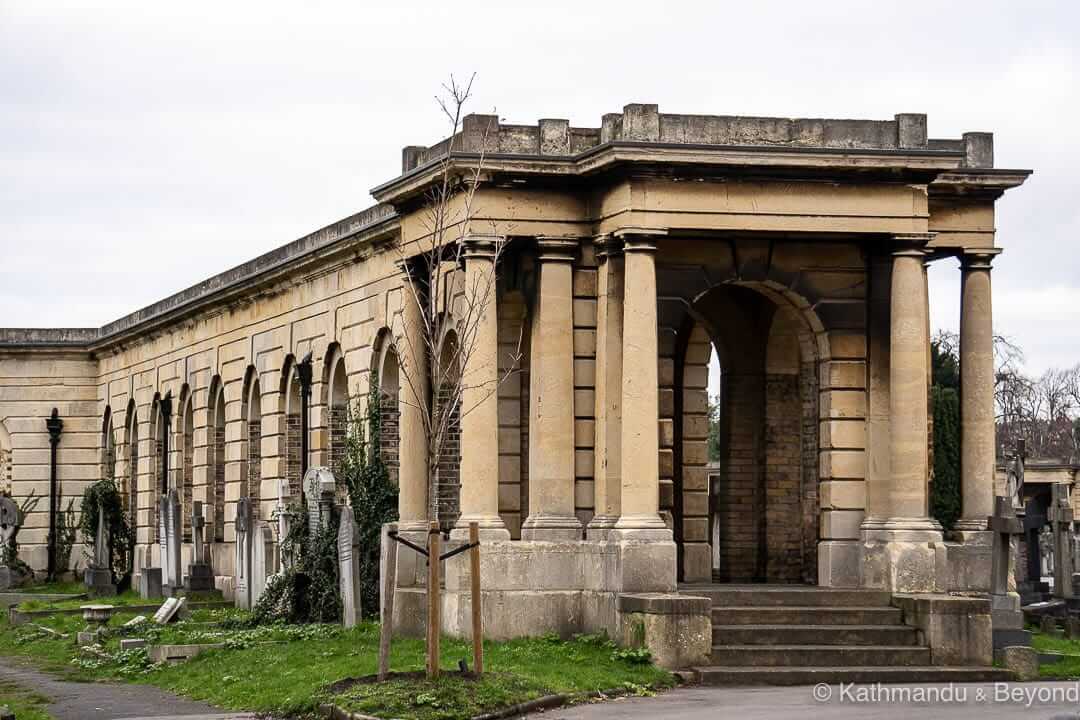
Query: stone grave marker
x,y
172,577
1007,620
200,577
163,535
1061,520
262,559
242,590
1032,589
98,576
319,492
169,609
10,522
348,541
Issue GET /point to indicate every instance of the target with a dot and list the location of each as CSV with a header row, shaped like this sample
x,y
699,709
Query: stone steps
x,y
805,615
894,635
729,675
818,655
788,595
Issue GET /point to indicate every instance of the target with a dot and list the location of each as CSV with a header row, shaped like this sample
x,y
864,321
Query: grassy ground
x,y
26,705
129,597
286,669
1068,668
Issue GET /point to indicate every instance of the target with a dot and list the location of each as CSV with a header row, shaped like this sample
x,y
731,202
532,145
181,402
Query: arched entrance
x,y
745,450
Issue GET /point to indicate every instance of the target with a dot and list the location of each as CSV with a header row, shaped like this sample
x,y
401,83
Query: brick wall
x,y
131,499
811,506
186,491
389,435
219,484
254,464
783,478
155,492
446,495
292,455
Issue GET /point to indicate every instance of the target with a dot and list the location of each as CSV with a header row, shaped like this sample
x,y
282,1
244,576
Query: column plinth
x,y
551,398
976,392
479,397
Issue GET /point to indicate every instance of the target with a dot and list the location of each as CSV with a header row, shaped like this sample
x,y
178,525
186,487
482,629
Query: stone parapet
x,y
957,629
677,629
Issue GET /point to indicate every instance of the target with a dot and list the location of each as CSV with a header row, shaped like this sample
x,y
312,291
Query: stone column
x,y
479,399
607,480
900,551
551,398
976,391
640,438
412,396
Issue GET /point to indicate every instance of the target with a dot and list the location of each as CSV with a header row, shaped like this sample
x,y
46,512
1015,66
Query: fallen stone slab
x,y
179,653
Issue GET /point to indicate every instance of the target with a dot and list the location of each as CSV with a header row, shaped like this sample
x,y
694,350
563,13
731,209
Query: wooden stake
x,y
388,566
477,622
434,601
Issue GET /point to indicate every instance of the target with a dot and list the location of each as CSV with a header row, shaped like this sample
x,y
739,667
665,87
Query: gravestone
x,y
163,537
1007,620
200,578
243,554
1032,588
348,541
171,608
262,559
172,576
1061,519
319,489
98,576
10,522
149,578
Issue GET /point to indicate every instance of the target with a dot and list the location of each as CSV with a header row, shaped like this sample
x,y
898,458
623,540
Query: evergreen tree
x,y
945,491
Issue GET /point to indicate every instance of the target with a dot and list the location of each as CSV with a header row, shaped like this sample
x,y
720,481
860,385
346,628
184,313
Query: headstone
x,y
200,578
1007,620
1061,519
98,576
10,521
132,643
348,541
169,609
150,583
172,577
319,489
137,620
262,559
1022,661
1032,589
242,594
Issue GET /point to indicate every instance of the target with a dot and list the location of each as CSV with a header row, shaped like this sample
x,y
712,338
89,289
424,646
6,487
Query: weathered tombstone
x,y
319,492
243,554
262,559
171,608
1032,589
1061,519
173,540
10,522
163,538
348,541
149,584
1048,625
1007,620
199,576
98,576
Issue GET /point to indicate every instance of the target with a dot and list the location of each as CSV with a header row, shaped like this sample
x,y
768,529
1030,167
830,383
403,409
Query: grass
x,y
65,587
129,597
26,704
1068,668
286,669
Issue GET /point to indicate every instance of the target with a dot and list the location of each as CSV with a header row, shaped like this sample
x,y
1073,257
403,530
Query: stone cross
x,y
101,541
1061,518
243,553
348,540
1004,524
198,522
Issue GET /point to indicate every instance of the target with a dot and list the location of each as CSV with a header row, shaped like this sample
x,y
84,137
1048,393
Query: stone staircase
x,y
796,635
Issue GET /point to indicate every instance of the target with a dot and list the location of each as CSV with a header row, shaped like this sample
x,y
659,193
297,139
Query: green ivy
x,y
104,494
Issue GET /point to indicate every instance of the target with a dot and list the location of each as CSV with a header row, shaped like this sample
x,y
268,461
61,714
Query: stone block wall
x,y
584,313
512,313
693,455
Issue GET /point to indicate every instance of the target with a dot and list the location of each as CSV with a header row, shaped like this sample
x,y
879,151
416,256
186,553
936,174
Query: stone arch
x,y
760,500
336,384
108,446
129,490
185,445
388,372
251,412
445,495
215,441
158,482
291,405
7,478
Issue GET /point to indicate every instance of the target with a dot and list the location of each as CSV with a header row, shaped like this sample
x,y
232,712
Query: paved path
x,y
110,701
1059,700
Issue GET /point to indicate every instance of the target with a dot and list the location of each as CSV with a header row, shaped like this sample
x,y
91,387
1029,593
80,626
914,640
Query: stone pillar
x,y
640,437
551,398
900,550
976,391
412,396
479,399
607,479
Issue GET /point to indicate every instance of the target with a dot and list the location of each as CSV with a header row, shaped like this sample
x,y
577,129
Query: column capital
x,y
639,239
557,249
978,259
607,245
911,244
481,246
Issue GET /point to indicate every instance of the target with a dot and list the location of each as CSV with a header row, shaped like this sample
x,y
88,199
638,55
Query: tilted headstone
x,y
262,559
319,488
348,541
1061,518
10,521
173,540
170,609
243,554
199,575
1007,620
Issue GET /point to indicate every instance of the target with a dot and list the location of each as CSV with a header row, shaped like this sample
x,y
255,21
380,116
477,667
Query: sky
x,y
147,146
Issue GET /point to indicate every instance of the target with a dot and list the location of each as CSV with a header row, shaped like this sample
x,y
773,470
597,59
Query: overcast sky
x,y
145,146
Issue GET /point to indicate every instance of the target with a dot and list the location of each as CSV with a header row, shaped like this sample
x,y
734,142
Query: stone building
x,y
796,250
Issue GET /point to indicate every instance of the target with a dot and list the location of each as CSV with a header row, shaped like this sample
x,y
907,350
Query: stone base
x,y
200,578
1010,638
98,582
969,556
677,629
11,578
957,629
150,583
1021,660
901,560
1033,592
1005,612
838,563
88,637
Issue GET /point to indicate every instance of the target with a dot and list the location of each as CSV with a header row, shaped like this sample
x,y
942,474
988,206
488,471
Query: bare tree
x,y
450,305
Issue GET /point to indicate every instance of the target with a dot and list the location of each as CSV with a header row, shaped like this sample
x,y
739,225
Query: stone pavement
x,y
110,701
1034,701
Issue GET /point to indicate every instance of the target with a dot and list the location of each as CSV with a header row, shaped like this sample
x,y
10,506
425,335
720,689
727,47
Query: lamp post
x,y
55,426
